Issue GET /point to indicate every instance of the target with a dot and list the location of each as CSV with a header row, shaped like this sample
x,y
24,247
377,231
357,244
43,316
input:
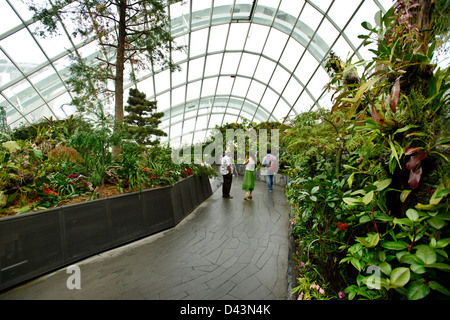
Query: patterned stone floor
x,y
226,249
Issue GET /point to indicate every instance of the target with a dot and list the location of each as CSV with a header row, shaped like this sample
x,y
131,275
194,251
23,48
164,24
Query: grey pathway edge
x,y
229,249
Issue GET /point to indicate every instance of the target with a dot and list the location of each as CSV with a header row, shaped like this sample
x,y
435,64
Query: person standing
x,y
269,162
227,174
248,184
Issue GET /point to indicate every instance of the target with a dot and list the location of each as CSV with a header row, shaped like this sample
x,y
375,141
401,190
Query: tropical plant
x,y
392,219
402,203
129,33
142,120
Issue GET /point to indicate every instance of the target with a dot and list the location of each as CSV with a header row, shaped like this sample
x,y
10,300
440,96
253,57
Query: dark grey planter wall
x,y
35,243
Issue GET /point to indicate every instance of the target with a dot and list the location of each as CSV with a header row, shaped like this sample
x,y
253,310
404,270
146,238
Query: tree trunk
x,y
422,18
120,67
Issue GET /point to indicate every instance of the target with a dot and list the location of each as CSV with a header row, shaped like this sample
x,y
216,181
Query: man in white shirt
x,y
227,174
270,163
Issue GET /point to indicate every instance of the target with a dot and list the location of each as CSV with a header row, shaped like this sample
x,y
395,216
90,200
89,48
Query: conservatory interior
x,y
109,112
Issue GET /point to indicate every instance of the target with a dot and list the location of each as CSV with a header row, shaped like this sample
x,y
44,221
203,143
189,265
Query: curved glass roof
x,y
262,60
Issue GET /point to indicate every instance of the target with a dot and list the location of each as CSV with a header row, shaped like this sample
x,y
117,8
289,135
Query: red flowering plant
x,y
342,226
47,196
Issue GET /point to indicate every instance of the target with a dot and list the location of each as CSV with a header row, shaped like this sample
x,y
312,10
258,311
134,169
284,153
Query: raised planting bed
x,y
32,244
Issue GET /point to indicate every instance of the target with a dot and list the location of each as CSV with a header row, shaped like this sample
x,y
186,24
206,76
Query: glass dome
x,y
262,60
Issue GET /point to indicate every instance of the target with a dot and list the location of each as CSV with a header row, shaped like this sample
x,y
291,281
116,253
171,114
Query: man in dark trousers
x,y
227,174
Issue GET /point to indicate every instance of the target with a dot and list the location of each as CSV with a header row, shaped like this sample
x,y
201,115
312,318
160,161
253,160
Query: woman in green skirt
x,y
249,177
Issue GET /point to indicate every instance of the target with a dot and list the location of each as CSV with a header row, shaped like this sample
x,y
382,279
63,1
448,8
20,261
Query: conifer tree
x,y
142,119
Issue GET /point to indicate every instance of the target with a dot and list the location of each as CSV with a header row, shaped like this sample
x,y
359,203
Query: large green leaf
x,y
412,214
399,277
394,245
438,287
440,265
417,290
436,223
368,197
426,254
353,201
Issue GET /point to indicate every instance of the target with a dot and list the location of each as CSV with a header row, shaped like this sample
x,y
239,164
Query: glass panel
x,y
189,124
8,19
52,45
325,100
342,49
237,36
275,44
327,32
306,67
265,70
23,49
292,91
270,99
193,90
8,72
281,110
229,118
47,82
162,81
256,38
292,54
175,130
292,7
163,102
176,114
196,68
179,77
354,29
216,120
224,87
39,113
324,4
310,16
342,10
213,64
256,91
178,95
198,5
199,136
217,38
318,81
209,87
241,86
180,55
230,63
279,79
186,139
147,87
62,66
61,106
303,104
248,64
22,8
198,42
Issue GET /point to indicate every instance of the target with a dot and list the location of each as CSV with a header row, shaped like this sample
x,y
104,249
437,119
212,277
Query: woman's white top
x,y
250,165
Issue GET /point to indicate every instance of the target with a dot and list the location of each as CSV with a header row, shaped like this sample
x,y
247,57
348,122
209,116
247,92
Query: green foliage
x,y
393,206
142,119
64,160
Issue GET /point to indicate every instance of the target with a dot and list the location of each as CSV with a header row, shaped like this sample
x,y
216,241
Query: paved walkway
x,y
226,249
